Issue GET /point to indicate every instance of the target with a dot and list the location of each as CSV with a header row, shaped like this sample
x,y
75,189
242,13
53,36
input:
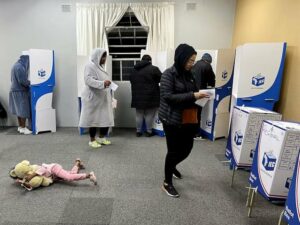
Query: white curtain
x,y
159,17
91,20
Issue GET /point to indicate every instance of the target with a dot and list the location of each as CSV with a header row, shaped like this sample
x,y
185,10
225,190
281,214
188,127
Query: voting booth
x,y
258,73
42,81
244,130
275,159
215,113
291,212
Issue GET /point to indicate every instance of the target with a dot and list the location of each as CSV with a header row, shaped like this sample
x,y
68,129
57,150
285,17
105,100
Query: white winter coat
x,y
96,110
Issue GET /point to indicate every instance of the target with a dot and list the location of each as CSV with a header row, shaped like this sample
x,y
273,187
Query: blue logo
x,y
269,161
238,137
208,123
258,80
224,74
157,121
41,73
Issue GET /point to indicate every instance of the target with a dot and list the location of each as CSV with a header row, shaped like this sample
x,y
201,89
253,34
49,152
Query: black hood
x,y
182,53
141,64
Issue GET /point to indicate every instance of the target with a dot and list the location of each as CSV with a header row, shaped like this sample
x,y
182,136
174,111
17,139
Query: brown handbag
x,y
189,116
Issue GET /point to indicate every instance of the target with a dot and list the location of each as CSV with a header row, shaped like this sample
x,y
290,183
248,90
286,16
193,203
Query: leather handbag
x,y
189,116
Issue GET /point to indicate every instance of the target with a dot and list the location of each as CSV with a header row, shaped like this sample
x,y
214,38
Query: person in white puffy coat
x,y
96,99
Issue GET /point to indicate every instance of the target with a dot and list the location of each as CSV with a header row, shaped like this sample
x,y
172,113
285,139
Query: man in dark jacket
x,y
144,81
205,78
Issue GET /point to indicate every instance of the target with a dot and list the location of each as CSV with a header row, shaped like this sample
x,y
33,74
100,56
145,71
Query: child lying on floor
x,y
55,171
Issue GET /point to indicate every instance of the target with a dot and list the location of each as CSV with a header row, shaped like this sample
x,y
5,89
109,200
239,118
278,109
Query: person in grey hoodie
x,y
19,95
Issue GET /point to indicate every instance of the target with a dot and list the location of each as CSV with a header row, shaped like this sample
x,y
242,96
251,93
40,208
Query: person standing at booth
x,y
178,112
97,110
144,81
19,95
205,78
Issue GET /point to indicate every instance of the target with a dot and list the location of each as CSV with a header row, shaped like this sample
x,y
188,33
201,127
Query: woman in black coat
x,y
144,81
178,112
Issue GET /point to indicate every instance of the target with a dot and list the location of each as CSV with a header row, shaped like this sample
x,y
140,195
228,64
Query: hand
x,y
199,95
107,83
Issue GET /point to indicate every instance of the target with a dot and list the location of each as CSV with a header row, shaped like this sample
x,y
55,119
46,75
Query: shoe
x,y
170,190
177,174
149,134
81,166
198,138
103,141
139,134
94,144
25,131
93,178
19,128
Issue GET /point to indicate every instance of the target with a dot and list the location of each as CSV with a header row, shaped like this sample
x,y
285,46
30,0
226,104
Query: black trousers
x,y
180,142
93,131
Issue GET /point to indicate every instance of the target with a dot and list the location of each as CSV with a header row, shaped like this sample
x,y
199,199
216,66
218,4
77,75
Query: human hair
x,y
147,58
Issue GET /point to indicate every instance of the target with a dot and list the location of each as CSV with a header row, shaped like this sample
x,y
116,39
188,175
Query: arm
x,y
90,79
21,77
211,78
157,74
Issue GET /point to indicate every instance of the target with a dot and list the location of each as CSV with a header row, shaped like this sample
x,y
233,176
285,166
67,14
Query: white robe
x,y
96,110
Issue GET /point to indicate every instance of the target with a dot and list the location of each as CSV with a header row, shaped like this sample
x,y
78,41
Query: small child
x,y
56,171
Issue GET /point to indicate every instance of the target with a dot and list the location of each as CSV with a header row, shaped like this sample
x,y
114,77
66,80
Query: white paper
x,y
211,92
113,86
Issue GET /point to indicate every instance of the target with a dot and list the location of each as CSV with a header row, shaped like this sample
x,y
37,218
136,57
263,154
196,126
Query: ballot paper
x,y
211,92
113,86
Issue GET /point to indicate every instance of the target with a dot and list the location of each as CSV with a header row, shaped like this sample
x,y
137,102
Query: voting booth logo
x,y
238,137
157,121
269,161
41,73
258,80
252,151
224,74
208,123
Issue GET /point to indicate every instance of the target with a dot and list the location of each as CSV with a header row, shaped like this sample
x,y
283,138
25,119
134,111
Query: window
x,y
125,42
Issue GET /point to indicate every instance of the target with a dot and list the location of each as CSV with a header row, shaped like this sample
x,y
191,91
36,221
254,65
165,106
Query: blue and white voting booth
x,y
291,212
244,131
215,114
275,158
42,81
258,74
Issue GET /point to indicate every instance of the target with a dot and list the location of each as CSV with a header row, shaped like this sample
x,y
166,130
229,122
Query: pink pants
x,y
72,175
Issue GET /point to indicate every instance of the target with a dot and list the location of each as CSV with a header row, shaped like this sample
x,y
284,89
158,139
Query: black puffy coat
x,y
204,75
144,81
176,93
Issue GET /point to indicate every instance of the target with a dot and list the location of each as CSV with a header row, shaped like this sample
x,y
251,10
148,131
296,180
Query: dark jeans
x,y
93,131
180,142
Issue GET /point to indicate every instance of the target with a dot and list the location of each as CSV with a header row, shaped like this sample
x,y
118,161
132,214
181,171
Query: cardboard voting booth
x,y
42,80
275,158
244,130
215,114
258,73
291,212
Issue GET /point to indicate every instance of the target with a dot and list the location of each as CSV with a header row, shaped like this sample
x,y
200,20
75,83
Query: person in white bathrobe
x,y
96,99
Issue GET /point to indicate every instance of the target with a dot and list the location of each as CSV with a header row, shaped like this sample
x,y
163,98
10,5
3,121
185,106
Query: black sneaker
x,y
149,134
170,190
177,174
139,134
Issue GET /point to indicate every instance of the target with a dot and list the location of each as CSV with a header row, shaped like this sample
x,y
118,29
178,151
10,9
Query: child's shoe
x,y
93,178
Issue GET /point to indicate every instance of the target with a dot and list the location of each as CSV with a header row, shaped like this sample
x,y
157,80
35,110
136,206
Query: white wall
x,y
42,24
